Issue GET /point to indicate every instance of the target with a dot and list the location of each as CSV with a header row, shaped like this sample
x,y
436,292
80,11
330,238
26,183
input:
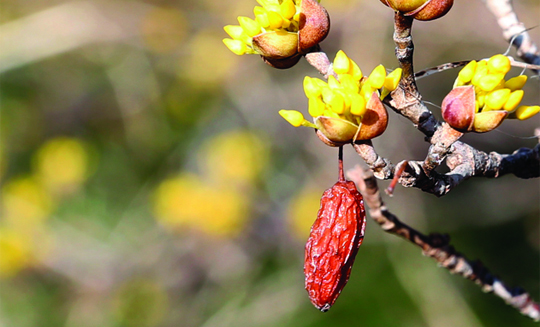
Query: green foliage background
x,y
147,179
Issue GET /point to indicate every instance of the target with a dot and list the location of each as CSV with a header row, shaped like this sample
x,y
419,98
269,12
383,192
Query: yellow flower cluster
x,y
492,91
345,98
282,16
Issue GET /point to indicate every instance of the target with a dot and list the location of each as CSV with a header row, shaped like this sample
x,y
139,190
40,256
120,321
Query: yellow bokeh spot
x,y
186,201
164,30
207,64
62,163
234,157
302,211
15,252
25,202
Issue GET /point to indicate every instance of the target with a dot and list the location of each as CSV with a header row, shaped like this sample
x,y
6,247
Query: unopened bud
x,y
458,108
488,120
421,9
314,24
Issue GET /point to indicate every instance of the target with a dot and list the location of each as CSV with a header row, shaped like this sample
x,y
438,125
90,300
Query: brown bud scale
x,y
333,243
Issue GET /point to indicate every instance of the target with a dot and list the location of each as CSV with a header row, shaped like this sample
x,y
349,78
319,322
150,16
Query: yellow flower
x,y
281,31
347,108
482,98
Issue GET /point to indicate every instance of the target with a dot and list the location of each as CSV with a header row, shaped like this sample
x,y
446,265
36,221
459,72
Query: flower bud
x,y
458,108
276,44
314,25
421,9
374,121
336,130
488,120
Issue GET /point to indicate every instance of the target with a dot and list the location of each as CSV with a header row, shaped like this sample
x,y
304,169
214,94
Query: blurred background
x,y
148,180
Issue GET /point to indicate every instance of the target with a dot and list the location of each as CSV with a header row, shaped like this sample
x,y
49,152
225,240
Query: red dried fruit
x,y
333,242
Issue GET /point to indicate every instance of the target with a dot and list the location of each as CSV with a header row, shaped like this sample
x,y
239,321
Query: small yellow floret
x,y
513,100
237,47
358,105
497,99
337,103
499,64
341,63
316,107
287,9
263,20
367,91
250,26
275,20
526,112
516,83
311,88
348,83
377,77
294,117
333,82
489,82
355,71
392,80
481,71
466,74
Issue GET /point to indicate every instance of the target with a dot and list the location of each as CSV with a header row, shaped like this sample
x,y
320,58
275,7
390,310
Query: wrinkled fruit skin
x,y
333,243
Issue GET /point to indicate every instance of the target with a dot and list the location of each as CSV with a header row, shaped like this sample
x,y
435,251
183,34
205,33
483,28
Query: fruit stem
x,y
340,163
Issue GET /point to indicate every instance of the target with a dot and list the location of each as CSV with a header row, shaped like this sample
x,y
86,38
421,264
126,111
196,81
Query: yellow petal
x,y
275,20
294,117
333,82
263,20
341,63
496,99
348,83
355,71
489,82
377,77
316,107
516,83
481,71
358,105
499,64
392,80
337,104
287,9
513,100
311,88
466,74
237,47
526,112
250,26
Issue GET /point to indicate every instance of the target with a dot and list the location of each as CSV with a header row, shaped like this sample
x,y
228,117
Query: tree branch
x,y
437,246
514,31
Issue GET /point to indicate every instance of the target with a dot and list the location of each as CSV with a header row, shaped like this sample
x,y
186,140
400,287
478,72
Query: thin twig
x,y
514,31
437,246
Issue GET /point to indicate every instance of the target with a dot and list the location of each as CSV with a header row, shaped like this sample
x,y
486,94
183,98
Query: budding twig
x,y
437,246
